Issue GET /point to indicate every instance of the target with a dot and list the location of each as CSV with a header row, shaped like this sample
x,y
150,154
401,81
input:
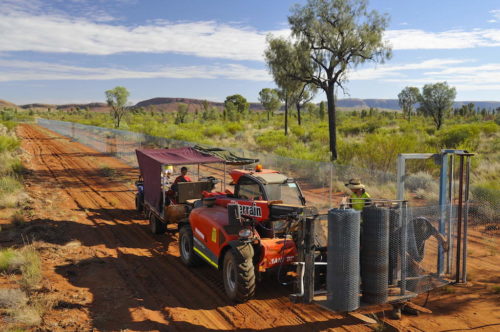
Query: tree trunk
x,y
286,116
330,97
298,113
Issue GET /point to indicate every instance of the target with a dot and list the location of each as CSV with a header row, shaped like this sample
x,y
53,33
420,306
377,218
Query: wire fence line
x,y
428,261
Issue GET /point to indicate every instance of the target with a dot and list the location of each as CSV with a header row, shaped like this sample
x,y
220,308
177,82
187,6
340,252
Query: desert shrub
x,y
234,127
31,270
459,136
214,130
379,152
298,131
12,298
270,140
9,185
9,125
420,180
7,257
488,193
8,143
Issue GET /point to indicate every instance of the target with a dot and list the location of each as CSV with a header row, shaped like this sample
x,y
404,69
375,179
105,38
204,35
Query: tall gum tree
x,y
436,101
331,37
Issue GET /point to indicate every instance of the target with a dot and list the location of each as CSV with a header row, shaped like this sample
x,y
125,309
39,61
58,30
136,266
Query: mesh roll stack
x,y
375,255
343,259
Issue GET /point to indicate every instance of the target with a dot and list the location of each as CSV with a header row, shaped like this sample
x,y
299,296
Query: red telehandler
x,y
244,233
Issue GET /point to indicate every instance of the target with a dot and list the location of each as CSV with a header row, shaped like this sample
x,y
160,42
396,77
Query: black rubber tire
x,y
139,202
188,256
239,276
156,226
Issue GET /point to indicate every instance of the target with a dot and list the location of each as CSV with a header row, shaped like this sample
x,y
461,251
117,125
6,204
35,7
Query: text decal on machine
x,y
250,210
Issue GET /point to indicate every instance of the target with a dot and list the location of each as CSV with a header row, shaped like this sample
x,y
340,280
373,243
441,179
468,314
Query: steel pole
x,y
449,217
443,198
466,219
459,217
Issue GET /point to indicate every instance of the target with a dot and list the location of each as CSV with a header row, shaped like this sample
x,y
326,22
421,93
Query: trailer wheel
x,y
157,227
139,205
239,276
188,255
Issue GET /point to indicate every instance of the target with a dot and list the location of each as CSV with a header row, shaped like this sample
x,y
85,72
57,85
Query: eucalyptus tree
x,y
270,100
436,101
330,37
407,98
117,100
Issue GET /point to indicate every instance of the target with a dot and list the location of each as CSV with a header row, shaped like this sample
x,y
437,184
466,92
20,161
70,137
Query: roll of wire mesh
x,y
343,259
375,255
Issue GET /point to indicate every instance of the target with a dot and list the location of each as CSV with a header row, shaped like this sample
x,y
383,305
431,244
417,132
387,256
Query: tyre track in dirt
x,y
185,298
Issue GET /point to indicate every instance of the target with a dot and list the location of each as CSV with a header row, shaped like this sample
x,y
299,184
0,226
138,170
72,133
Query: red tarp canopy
x,y
151,160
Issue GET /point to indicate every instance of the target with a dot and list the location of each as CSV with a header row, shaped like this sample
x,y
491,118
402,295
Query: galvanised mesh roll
x,y
343,259
375,255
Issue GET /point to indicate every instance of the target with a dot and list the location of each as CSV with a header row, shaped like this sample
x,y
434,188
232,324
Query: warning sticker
x,y
214,235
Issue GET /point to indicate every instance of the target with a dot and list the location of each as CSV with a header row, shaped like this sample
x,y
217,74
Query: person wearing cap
x,y
359,197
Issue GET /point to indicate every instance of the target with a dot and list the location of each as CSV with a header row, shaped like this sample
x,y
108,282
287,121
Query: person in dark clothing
x,y
181,178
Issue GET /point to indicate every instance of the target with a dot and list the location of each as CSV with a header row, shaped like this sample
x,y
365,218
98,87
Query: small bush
x,y
7,257
496,289
12,298
8,143
214,130
31,269
488,193
420,180
460,136
273,139
234,127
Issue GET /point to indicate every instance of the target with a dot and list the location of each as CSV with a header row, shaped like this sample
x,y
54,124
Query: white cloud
x,y
386,71
464,78
26,31
13,70
413,39
30,26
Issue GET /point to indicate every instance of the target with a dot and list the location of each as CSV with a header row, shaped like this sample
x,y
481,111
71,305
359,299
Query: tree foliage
x,y
331,37
270,100
436,101
117,100
407,98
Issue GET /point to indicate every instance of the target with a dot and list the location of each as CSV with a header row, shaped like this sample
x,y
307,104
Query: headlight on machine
x,y
245,233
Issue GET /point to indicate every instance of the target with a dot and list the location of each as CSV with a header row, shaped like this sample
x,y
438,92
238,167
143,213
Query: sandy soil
x,y
105,271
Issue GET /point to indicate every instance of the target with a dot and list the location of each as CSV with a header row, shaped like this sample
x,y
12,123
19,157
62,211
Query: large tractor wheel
x,y
157,227
239,276
139,202
188,255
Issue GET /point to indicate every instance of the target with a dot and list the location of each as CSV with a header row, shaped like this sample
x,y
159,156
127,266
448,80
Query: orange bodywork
x,y
211,234
276,252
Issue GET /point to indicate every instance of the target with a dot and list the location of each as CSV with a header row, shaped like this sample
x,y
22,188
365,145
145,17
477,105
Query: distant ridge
x,y
167,104
171,104
5,103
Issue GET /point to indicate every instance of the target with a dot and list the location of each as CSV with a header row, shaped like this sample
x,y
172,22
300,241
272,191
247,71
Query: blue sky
x,y
63,51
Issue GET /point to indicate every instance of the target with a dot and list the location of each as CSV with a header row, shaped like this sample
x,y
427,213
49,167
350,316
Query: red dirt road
x,y
113,274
